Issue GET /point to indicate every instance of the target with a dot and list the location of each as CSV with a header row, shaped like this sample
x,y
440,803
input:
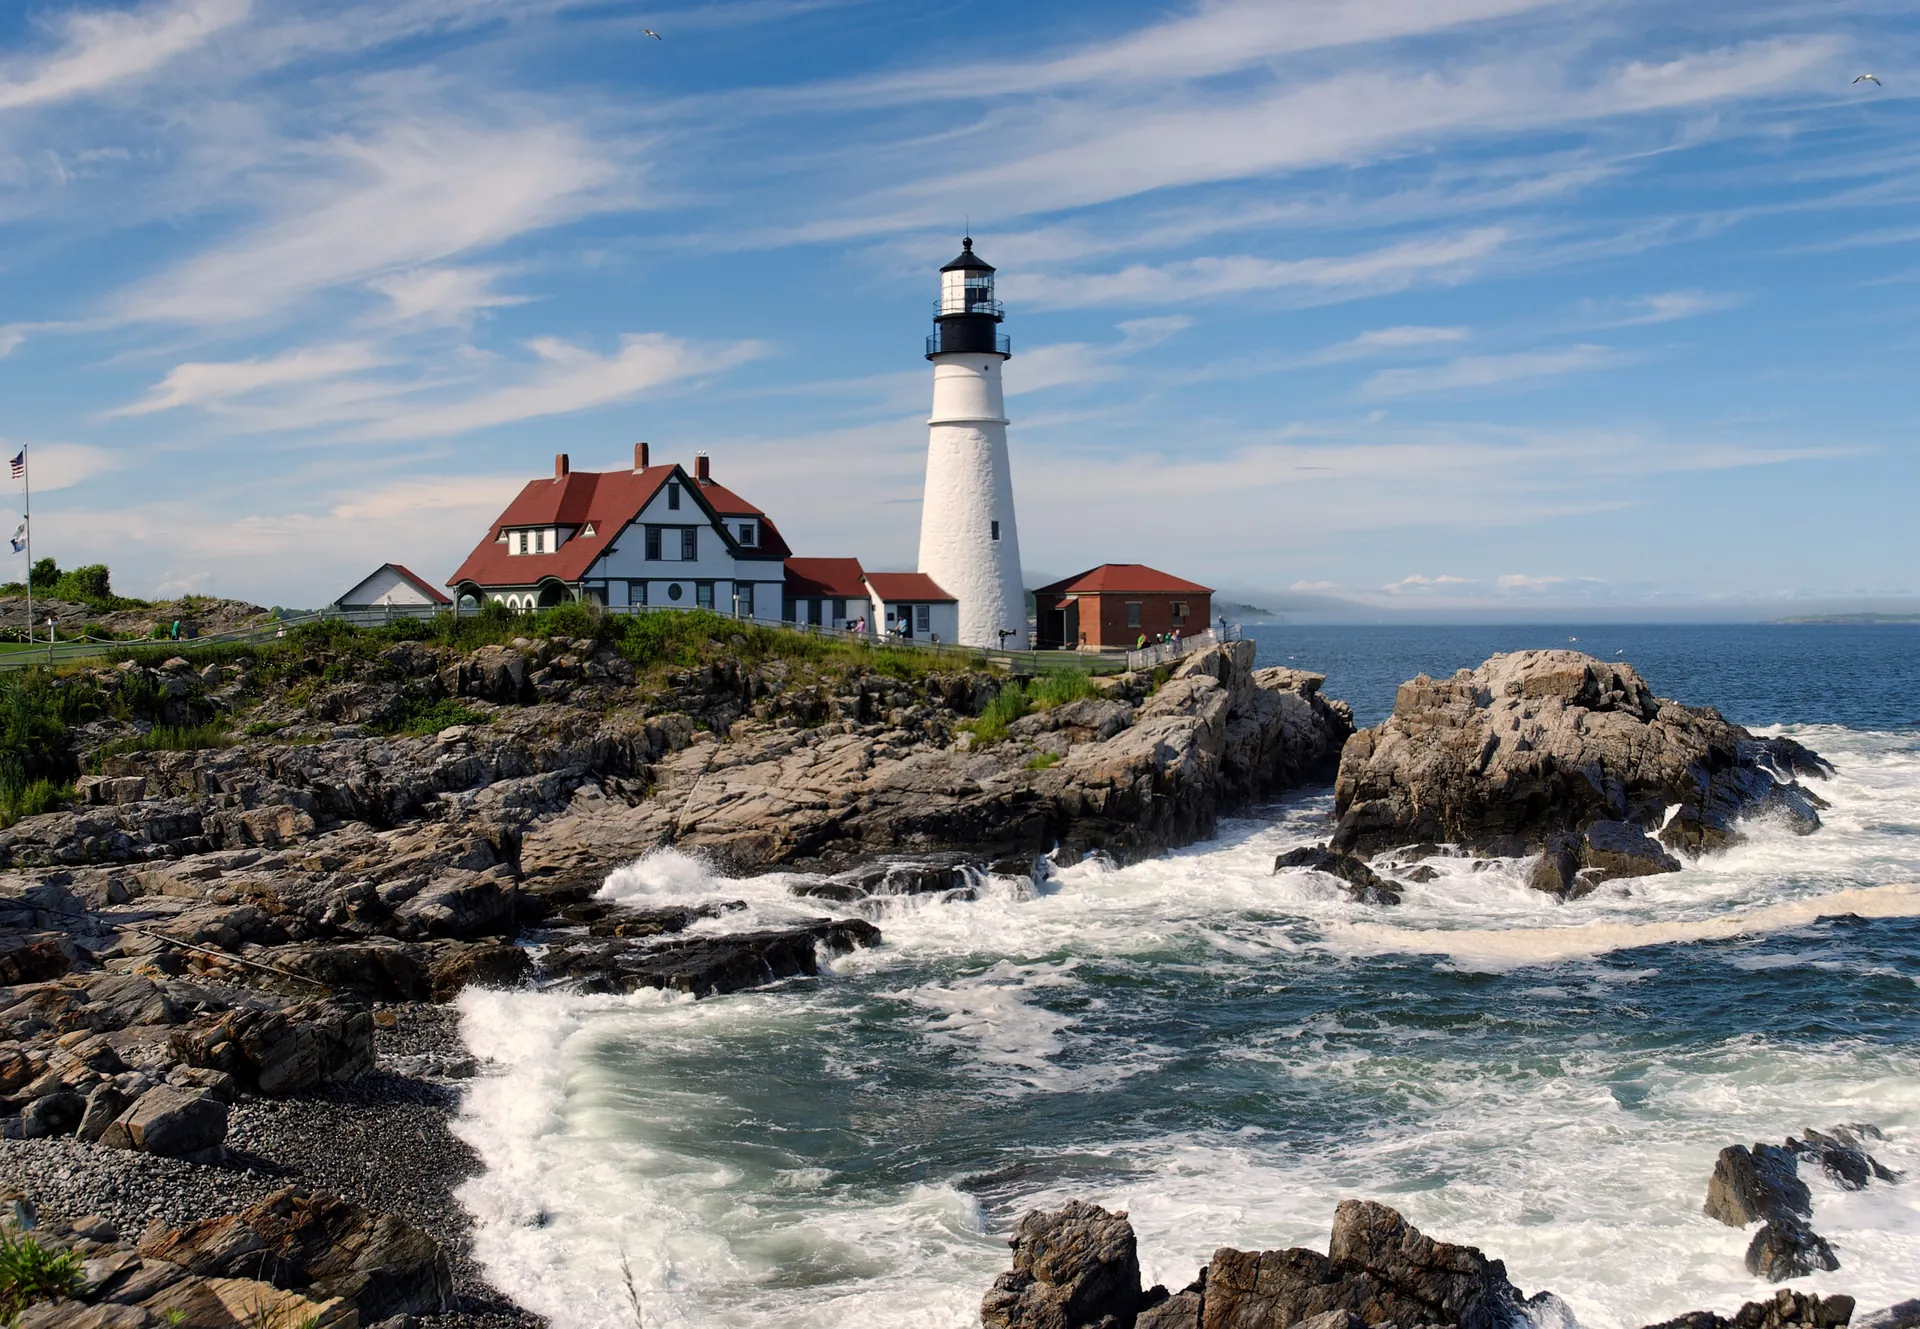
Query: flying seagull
x,y
1869,78
657,37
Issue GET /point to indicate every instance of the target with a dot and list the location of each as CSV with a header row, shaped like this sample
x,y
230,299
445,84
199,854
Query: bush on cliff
x,y
90,585
36,751
1017,698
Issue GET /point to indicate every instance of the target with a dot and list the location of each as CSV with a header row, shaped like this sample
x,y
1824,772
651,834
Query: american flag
x,y
20,464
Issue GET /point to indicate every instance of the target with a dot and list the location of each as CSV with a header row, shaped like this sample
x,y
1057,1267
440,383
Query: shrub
x,y
1003,710
1060,687
31,799
169,738
30,1272
425,717
36,754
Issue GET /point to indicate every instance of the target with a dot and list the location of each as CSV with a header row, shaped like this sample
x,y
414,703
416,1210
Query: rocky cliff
x,y
1558,753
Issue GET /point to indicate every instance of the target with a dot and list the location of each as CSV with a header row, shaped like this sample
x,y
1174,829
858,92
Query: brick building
x,y
1112,606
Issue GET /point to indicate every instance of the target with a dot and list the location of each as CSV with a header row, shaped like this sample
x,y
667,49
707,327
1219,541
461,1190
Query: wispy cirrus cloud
x,y
1520,368
212,384
98,49
1391,267
418,192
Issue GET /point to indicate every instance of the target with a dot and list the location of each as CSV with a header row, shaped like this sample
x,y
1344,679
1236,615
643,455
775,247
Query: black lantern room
x,y
967,317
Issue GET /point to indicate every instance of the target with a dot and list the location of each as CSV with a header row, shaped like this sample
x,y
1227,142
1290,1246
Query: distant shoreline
x,y
1843,619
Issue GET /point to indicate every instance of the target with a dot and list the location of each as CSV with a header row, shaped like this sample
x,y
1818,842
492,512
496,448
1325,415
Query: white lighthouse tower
x,y
969,543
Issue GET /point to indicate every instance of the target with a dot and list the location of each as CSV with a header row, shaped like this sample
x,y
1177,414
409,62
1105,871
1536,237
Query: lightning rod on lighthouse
x,y
969,543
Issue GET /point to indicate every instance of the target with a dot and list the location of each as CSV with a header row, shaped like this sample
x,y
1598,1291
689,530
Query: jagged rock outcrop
x,y
706,965
1572,757
1763,1185
1074,1266
1363,884
1123,776
1786,1309
1078,1267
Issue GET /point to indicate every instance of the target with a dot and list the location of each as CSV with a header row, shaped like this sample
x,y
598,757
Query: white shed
x,y
391,584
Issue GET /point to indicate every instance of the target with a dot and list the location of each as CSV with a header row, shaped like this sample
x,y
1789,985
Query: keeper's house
x,y
650,536
1112,606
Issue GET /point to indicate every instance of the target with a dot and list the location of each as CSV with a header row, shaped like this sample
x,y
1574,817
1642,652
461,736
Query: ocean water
x,y
1226,1053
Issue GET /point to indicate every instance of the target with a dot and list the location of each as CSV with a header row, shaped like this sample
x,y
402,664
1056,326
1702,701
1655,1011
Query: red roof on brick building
x,y
1124,579
893,587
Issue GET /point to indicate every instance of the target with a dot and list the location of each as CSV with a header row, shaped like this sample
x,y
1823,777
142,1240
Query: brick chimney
x,y
700,470
639,456
561,466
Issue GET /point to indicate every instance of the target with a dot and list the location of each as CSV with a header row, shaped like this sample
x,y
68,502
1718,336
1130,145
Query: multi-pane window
x,y
520,543
743,598
653,544
689,543
703,594
749,533
1133,613
673,497
1179,611
922,617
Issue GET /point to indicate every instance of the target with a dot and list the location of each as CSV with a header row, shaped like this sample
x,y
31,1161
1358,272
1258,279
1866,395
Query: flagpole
x,y
26,474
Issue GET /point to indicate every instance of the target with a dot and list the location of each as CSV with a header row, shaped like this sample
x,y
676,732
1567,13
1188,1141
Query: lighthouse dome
x,y
968,260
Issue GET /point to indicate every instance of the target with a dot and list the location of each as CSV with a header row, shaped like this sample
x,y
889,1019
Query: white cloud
x,y
420,192
1417,583
53,466
1487,371
1066,363
100,48
567,378
1393,267
209,384
1662,307
446,296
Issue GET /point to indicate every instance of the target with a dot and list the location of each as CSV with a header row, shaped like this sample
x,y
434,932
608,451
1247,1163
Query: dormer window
x,y
749,534
520,545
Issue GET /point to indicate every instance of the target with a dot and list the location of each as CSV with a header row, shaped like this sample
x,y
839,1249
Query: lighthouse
x,y
969,543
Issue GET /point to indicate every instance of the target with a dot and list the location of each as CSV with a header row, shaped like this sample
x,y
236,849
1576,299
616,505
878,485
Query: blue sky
x,y
1472,307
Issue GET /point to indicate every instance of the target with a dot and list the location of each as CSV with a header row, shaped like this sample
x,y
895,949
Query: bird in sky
x,y
1869,78
657,37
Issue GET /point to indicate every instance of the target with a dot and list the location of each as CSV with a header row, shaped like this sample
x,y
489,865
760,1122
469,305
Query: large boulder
x,y
1077,1267
171,1120
1759,1184
1072,1267
322,1246
705,965
1558,751
282,1051
1786,1309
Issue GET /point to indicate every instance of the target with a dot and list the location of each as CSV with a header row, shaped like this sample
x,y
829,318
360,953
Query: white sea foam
x,y
645,1124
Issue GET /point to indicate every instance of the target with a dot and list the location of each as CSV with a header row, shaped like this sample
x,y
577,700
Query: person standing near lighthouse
x,y
969,543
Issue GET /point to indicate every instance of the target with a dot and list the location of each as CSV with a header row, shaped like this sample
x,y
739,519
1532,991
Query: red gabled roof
x,y
825,578
605,500
729,504
419,584
1124,579
895,586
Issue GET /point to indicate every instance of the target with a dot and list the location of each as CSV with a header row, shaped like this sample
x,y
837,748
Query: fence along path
x,y
23,657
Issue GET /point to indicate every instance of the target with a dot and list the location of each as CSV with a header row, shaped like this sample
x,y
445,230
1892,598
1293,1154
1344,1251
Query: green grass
x,y
170,738
30,1272
1040,761
1016,699
32,799
424,717
264,728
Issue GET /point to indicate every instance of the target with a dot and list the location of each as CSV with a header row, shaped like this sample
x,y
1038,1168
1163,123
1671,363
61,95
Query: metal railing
x,y
941,309
1002,344
1165,652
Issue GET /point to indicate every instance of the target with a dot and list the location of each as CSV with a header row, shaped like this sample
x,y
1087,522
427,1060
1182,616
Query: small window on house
x,y
996,530
673,497
636,592
703,594
743,598
839,611
813,611
673,590
540,541
689,543
749,534
1179,611
788,608
520,542
653,544
1133,613
923,614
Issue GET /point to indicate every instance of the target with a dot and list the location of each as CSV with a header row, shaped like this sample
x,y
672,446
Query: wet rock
x,y
1076,1265
1842,1156
1787,1248
1905,1315
706,965
1072,1267
1613,849
1786,1309
1363,883
1544,743
1761,1184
